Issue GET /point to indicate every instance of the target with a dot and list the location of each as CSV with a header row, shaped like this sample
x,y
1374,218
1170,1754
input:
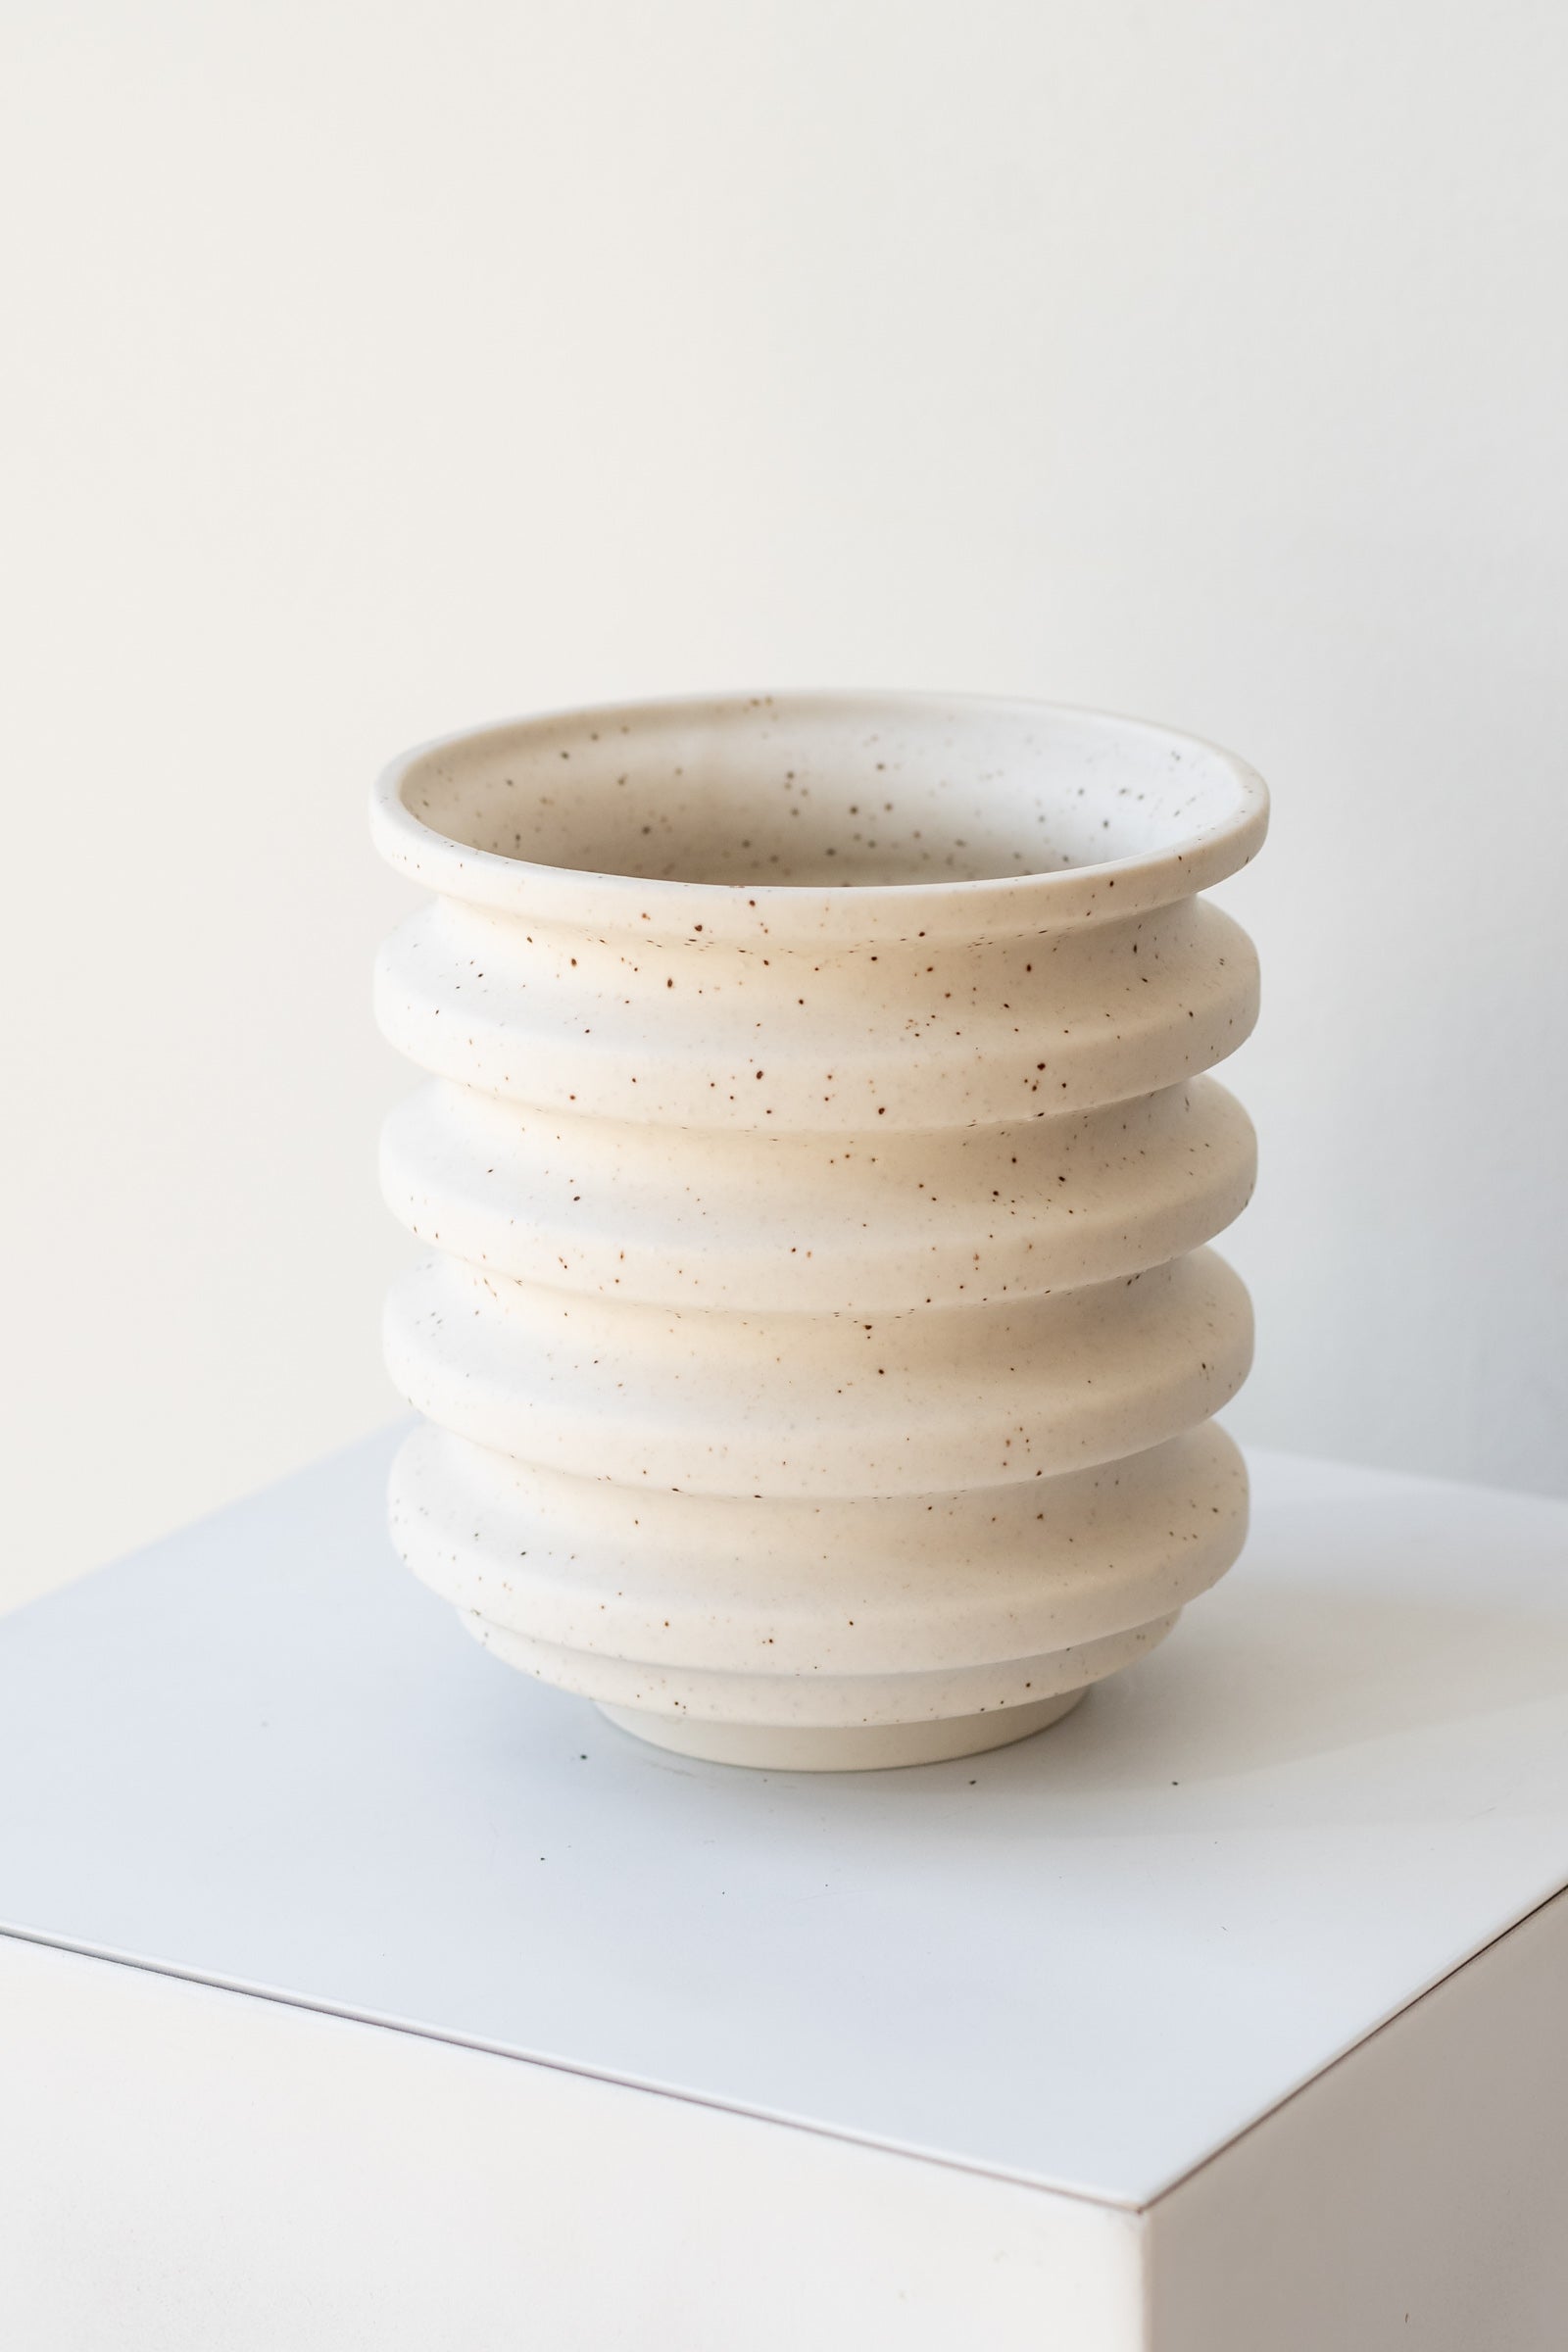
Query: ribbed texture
x,y
817,1337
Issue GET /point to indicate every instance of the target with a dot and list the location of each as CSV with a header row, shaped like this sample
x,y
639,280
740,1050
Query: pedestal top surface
x,y
260,1754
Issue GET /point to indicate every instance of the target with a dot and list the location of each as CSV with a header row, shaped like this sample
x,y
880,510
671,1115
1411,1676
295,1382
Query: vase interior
x,y
824,791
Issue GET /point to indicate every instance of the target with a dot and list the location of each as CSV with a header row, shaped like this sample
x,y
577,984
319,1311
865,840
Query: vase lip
x,y
740,913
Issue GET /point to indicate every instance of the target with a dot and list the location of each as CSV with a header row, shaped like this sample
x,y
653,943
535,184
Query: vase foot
x,y
853,1748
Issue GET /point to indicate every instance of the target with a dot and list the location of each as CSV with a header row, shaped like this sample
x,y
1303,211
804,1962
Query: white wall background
x,y
374,368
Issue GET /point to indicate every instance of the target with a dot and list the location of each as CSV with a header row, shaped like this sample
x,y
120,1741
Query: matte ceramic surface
x,y
819,1341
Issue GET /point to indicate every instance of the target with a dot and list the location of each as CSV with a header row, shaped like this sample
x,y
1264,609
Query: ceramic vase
x,y
817,1343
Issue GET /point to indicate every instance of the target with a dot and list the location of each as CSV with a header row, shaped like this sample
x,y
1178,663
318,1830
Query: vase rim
x,y
1230,830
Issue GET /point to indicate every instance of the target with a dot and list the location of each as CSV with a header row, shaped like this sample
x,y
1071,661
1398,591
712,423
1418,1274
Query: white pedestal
x,y
1225,2016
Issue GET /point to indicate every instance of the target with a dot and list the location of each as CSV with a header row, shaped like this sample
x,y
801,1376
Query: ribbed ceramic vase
x,y
817,1343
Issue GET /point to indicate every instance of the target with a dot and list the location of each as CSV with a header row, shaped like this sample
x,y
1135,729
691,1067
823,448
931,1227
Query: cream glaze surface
x,y
818,1343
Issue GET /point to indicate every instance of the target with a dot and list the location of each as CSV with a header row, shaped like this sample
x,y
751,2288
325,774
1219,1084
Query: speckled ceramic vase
x,y
818,1344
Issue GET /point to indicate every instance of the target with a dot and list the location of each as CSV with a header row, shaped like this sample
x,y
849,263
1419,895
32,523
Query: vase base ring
x,y
853,1748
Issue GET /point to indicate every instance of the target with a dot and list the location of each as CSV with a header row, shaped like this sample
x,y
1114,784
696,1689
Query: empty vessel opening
x,y
822,792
